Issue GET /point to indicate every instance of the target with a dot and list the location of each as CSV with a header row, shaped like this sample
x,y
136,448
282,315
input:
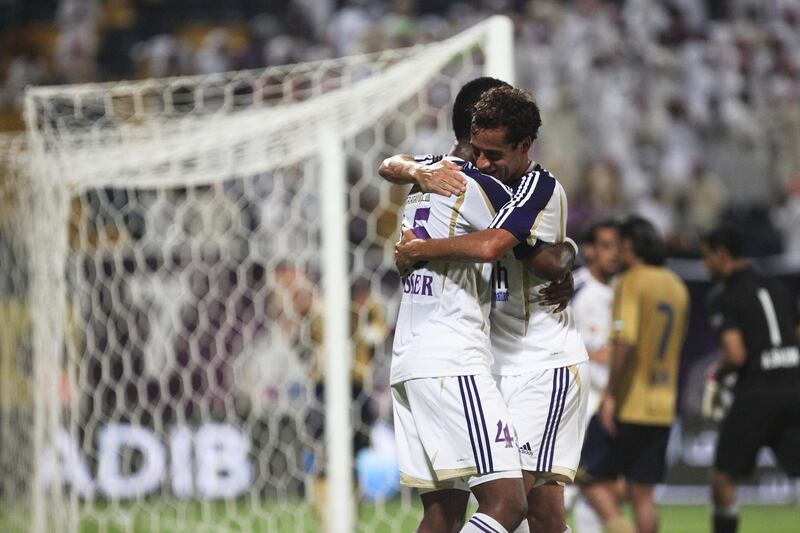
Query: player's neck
x,y
634,262
462,150
527,169
598,275
734,266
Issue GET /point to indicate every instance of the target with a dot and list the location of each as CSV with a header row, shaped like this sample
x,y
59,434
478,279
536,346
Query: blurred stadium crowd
x,y
684,111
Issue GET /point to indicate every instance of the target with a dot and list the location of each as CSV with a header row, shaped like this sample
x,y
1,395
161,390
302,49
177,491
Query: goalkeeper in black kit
x,y
756,321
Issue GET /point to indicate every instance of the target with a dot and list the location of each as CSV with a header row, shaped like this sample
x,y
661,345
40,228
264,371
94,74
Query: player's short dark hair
x,y
589,235
647,243
728,237
465,102
510,108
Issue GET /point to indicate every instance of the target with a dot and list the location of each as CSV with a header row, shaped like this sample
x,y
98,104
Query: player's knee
x,y
547,522
518,507
503,500
514,507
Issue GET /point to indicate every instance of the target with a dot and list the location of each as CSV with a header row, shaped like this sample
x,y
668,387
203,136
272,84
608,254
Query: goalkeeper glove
x,y
717,394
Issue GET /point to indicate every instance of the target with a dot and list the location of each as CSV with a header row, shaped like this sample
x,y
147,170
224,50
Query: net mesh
x,y
17,409
171,243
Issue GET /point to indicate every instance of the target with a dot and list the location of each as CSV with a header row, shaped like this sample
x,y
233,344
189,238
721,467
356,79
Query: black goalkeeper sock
x,y
725,522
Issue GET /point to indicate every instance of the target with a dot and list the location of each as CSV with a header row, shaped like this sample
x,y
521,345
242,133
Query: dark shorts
x,y
638,452
760,418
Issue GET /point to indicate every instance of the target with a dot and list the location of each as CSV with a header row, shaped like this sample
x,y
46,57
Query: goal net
x,y
205,293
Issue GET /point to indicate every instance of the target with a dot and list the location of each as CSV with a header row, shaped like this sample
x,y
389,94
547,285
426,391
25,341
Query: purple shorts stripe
x,y
562,405
469,425
480,524
483,424
481,444
540,459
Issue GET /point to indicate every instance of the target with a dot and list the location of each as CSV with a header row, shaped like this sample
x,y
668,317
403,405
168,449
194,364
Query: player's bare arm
x,y
549,262
732,350
621,352
443,177
482,246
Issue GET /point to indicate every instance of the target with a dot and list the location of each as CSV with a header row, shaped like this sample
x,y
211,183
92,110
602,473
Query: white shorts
x,y
453,432
549,410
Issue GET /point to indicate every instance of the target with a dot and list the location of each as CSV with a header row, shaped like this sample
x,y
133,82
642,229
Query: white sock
x,y
585,518
482,523
568,530
523,527
571,493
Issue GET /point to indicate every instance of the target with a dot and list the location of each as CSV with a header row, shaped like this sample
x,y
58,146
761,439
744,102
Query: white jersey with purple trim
x,y
591,306
443,322
526,336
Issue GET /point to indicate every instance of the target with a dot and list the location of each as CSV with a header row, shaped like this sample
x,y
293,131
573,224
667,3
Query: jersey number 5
x,y
421,215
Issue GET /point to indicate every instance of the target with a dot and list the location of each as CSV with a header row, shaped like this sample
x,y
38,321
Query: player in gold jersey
x,y
628,436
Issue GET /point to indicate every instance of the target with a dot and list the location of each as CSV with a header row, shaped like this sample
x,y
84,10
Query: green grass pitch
x,y
180,517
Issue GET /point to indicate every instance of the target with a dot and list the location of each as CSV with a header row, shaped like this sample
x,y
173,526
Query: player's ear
x,y
525,144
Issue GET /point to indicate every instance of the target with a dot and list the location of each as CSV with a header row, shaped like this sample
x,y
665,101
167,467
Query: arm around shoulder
x,y
399,169
481,246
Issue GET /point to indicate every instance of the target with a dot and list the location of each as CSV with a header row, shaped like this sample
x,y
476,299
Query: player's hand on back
x,y
558,293
443,177
404,251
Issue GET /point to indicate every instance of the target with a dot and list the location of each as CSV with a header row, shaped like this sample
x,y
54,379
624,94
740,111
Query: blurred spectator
x,y
706,199
76,48
161,56
787,219
25,69
213,56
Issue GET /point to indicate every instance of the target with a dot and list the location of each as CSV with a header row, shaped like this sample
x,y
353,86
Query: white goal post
x,y
209,292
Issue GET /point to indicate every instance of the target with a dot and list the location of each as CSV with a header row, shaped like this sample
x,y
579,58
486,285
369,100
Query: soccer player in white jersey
x,y
423,453
540,360
591,302
591,307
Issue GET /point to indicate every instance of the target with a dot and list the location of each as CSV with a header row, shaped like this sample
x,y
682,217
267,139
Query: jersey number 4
x,y
503,434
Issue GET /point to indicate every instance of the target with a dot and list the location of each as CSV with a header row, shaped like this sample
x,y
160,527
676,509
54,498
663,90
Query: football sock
x,y
619,525
586,518
571,495
482,523
725,519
